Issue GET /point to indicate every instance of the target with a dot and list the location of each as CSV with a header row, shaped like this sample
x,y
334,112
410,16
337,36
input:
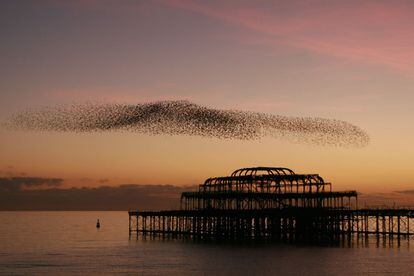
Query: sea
x,y
67,243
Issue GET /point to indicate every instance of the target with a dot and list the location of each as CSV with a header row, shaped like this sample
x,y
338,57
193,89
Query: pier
x,y
265,203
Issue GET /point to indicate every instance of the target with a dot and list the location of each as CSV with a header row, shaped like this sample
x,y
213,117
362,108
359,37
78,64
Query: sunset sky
x,y
347,60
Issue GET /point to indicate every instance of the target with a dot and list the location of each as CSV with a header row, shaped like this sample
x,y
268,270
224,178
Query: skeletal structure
x,y
185,118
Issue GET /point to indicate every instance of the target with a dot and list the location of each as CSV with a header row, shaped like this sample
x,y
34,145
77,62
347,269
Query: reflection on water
x,y
354,241
69,242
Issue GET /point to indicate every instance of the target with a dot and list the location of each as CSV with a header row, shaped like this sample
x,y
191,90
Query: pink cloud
x,y
370,31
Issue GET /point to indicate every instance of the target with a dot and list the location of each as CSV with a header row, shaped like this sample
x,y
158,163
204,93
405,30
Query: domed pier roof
x,y
262,171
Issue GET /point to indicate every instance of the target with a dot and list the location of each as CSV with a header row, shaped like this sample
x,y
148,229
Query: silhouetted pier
x,y
266,203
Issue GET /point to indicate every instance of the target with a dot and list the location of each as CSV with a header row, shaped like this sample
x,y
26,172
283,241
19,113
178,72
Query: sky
x,y
346,60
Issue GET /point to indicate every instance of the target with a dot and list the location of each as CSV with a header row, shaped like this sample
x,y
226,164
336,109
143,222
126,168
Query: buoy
x,y
98,224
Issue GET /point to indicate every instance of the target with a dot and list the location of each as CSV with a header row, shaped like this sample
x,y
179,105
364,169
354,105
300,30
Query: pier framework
x,y
270,203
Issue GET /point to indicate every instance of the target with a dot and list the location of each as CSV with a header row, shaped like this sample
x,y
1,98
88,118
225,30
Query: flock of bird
x,y
186,118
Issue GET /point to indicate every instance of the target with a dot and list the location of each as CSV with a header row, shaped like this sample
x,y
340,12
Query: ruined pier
x,y
266,203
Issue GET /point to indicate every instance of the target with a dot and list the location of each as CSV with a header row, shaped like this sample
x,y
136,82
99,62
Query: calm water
x,y
68,243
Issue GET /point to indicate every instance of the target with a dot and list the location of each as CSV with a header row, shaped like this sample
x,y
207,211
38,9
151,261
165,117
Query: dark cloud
x,y
406,191
185,118
387,199
142,197
19,183
124,197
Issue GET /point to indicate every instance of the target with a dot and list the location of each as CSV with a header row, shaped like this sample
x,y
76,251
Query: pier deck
x,y
289,223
